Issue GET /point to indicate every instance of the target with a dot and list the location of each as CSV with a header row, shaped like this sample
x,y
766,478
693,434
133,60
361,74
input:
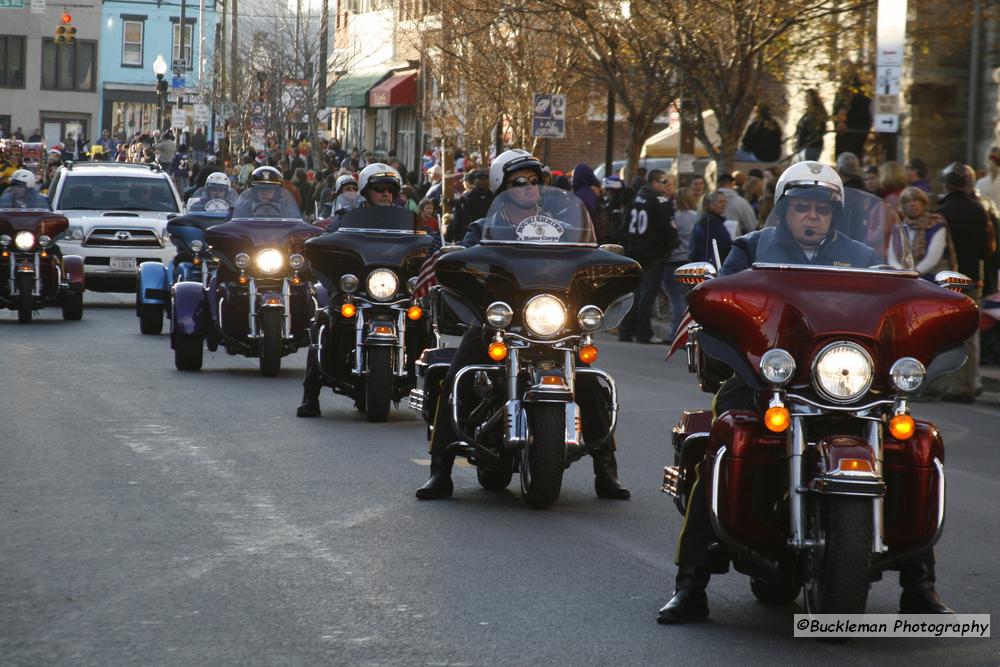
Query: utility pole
x,y
183,68
324,53
201,43
609,144
233,61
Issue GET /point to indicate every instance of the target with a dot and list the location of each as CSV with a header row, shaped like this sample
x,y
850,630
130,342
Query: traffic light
x,y
66,33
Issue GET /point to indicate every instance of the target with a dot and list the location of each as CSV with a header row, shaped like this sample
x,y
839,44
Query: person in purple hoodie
x,y
586,187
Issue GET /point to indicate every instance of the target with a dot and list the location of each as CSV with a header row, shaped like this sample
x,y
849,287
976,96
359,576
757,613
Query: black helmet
x,y
265,176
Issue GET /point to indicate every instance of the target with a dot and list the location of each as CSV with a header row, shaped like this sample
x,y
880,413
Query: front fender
x,y
154,283
837,477
189,313
73,268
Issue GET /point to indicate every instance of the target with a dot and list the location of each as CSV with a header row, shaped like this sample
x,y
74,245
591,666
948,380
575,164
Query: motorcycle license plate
x,y
122,264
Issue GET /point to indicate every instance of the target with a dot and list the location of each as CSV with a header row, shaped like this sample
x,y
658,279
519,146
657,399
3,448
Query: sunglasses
x,y
381,188
524,181
819,207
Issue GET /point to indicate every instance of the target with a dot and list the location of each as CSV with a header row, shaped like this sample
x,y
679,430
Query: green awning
x,y
351,90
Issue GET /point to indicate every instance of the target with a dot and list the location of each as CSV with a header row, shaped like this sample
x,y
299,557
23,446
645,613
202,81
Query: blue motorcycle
x,y
259,300
209,206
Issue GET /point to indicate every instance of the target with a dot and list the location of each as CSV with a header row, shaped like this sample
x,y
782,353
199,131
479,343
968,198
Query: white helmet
x,y
511,161
822,180
377,172
342,181
24,177
217,178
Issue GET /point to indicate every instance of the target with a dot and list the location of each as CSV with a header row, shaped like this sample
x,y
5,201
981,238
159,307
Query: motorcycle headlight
x,y
382,284
270,261
499,314
777,366
411,284
544,315
349,283
590,318
842,372
197,245
296,261
24,240
907,374
5,240
242,260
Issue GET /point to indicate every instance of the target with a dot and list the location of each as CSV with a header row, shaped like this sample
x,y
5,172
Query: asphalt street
x,y
153,517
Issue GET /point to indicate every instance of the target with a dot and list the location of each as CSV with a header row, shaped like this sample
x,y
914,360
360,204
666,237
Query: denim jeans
x,y
677,294
637,321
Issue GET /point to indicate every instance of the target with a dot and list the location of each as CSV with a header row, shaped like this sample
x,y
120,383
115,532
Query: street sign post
x,y
889,63
178,118
549,118
12,4
201,115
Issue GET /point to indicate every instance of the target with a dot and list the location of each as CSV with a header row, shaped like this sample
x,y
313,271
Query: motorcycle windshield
x,y
387,219
538,215
812,227
212,201
266,202
15,199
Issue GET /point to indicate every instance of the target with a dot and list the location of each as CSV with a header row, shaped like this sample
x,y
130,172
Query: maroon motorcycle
x,y
34,272
831,480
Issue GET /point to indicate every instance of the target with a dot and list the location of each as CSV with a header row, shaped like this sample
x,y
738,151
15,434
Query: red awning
x,y
399,90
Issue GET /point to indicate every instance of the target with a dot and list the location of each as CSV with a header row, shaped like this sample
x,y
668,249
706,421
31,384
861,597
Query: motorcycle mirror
x,y
613,247
171,216
695,273
956,282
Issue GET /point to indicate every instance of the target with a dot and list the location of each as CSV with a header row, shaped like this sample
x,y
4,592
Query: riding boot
x,y
438,485
919,596
689,601
606,481
309,407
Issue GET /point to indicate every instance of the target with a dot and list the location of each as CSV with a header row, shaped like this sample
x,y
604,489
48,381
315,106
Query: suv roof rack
x,y
155,166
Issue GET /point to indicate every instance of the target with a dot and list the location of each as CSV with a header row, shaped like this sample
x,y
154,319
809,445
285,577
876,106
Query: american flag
x,y
425,277
682,333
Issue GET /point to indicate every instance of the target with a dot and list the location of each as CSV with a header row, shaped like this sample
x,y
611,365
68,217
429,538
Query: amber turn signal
x,y
296,280
777,419
588,354
244,280
902,427
854,465
348,310
497,351
414,313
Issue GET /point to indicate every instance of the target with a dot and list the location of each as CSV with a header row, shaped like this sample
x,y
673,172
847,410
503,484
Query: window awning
x,y
399,90
351,90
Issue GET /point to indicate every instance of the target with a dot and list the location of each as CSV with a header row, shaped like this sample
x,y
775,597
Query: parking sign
x,y
549,118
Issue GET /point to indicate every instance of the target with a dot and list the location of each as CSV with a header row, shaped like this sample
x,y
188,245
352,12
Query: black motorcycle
x,y
370,334
540,289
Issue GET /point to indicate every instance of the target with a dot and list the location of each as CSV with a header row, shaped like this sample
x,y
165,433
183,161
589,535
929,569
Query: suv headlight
x,y
270,261
777,366
544,315
842,372
907,374
24,240
382,284
73,233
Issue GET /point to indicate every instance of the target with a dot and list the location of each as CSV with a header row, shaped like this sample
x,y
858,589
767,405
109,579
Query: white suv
x,y
118,216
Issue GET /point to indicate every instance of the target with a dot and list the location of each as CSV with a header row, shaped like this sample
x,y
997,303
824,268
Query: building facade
x,y
45,86
133,35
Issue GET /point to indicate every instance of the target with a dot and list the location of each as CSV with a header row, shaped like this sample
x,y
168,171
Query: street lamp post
x,y
160,69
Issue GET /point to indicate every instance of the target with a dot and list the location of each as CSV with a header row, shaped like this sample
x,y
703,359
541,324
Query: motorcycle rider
x,y
520,171
217,187
345,193
21,192
809,205
266,191
379,184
